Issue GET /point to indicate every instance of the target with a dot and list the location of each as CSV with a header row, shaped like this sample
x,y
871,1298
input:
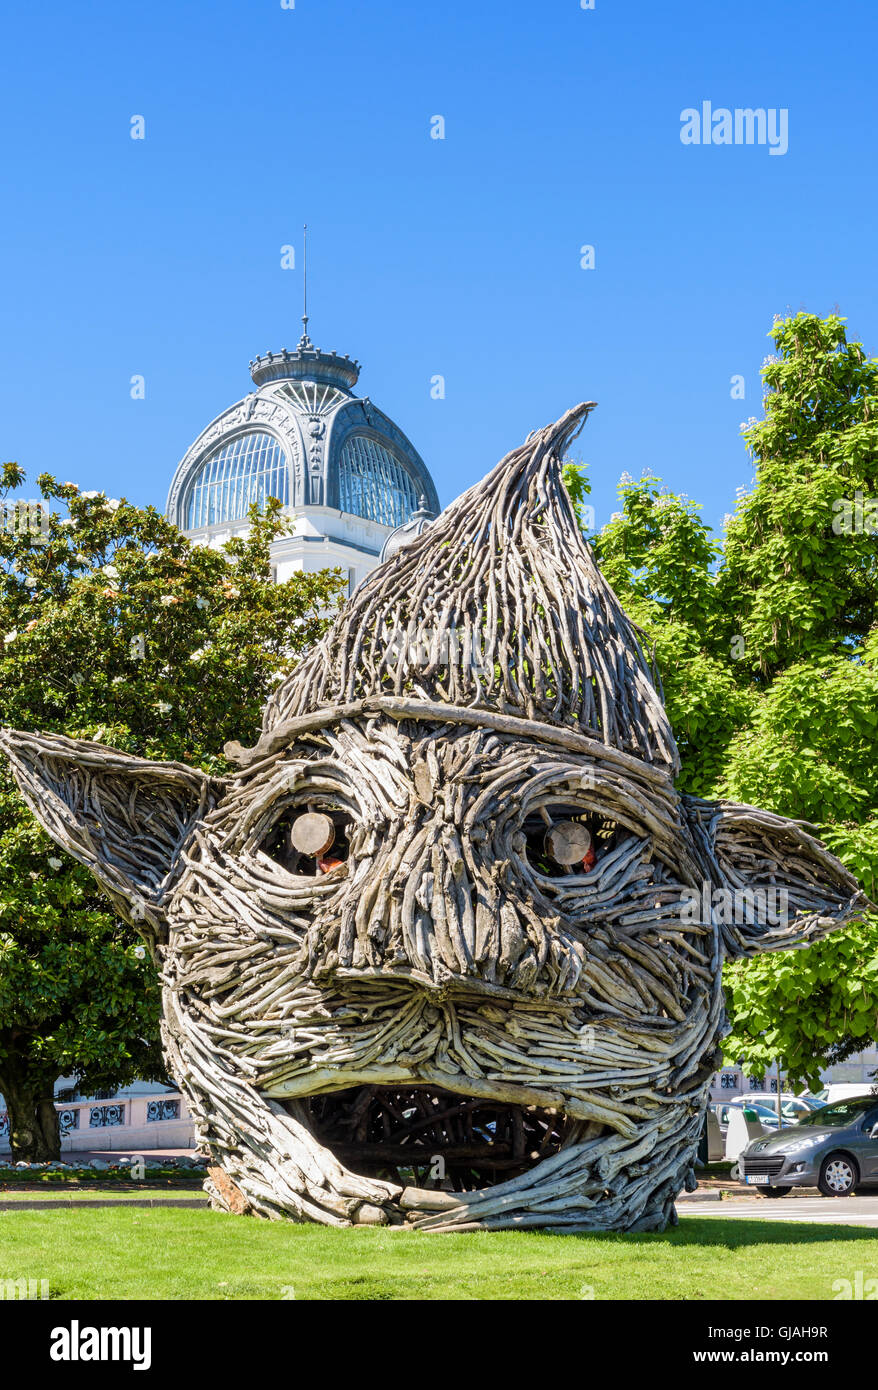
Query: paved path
x,y
76,1156
824,1211
52,1203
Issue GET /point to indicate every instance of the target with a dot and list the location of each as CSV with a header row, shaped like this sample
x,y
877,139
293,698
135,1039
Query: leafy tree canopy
x,y
116,628
767,643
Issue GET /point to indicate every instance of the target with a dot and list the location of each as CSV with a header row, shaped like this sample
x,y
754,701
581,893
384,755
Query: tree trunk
x,y
34,1135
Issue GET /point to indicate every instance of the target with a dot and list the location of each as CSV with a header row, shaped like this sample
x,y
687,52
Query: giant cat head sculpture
x,y
445,949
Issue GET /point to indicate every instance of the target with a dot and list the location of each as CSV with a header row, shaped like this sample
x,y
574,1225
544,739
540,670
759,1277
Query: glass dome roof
x,y
373,483
303,437
250,469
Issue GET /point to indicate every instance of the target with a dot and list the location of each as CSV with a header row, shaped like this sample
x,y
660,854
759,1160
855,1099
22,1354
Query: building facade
x,y
861,1069
345,473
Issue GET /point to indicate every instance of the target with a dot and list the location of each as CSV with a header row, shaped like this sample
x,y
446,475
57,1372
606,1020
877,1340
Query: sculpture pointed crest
x,y
498,605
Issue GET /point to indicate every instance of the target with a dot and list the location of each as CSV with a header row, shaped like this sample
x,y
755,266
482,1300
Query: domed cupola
x,y
415,526
339,464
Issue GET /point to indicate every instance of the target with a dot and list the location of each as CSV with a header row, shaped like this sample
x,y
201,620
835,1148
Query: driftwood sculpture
x,y
445,951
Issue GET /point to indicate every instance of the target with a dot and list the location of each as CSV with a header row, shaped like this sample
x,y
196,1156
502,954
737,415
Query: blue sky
x,y
458,257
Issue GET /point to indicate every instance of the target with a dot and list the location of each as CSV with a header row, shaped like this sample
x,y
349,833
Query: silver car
x,y
834,1148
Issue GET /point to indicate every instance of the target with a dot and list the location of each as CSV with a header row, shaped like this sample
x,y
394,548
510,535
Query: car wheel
x,y
838,1176
775,1191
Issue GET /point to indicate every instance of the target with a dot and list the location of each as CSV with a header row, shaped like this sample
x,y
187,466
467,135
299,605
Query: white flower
x,y
55,863
90,496
163,707
201,603
114,504
167,599
68,521
81,559
118,680
30,582
140,952
11,636
110,571
626,480
199,654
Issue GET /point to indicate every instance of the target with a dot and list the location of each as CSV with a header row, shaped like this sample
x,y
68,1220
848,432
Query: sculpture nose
x,y
439,912
459,922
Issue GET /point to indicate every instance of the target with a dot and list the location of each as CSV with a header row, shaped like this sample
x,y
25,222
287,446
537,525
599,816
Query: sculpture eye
x,y
310,840
564,839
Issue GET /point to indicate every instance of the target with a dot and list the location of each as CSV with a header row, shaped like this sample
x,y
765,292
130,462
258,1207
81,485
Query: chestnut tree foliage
x,y
767,642
115,627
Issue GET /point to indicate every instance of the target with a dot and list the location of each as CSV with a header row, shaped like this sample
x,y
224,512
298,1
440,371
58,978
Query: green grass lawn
x,y
140,1253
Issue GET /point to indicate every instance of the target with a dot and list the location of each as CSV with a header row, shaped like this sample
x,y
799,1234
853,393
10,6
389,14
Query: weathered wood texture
x,y
425,957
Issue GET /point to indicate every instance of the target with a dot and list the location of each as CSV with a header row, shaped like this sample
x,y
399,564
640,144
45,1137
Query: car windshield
x,y
842,1113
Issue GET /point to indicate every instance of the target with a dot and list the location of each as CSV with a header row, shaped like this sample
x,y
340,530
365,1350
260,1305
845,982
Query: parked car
x,y
792,1107
846,1090
766,1116
834,1149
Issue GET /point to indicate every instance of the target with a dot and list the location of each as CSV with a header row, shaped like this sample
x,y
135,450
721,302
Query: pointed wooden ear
x,y
124,818
770,885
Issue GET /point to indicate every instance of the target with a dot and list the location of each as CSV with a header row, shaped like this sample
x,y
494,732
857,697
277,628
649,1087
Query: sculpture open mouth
x,y
425,1137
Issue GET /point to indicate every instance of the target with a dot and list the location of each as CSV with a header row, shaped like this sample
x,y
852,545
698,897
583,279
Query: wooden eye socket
x,y
312,833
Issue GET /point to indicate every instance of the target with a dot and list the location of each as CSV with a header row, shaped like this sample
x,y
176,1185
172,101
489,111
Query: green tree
x,y
768,649
116,628
798,585
660,557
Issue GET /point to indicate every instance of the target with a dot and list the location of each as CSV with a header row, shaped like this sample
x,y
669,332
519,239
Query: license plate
x,y
757,1178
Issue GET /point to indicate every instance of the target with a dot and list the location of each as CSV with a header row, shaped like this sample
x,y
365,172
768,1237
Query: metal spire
x,y
305,278
305,341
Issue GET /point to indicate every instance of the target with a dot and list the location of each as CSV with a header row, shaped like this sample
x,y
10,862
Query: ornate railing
x,y
101,1116
162,1110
